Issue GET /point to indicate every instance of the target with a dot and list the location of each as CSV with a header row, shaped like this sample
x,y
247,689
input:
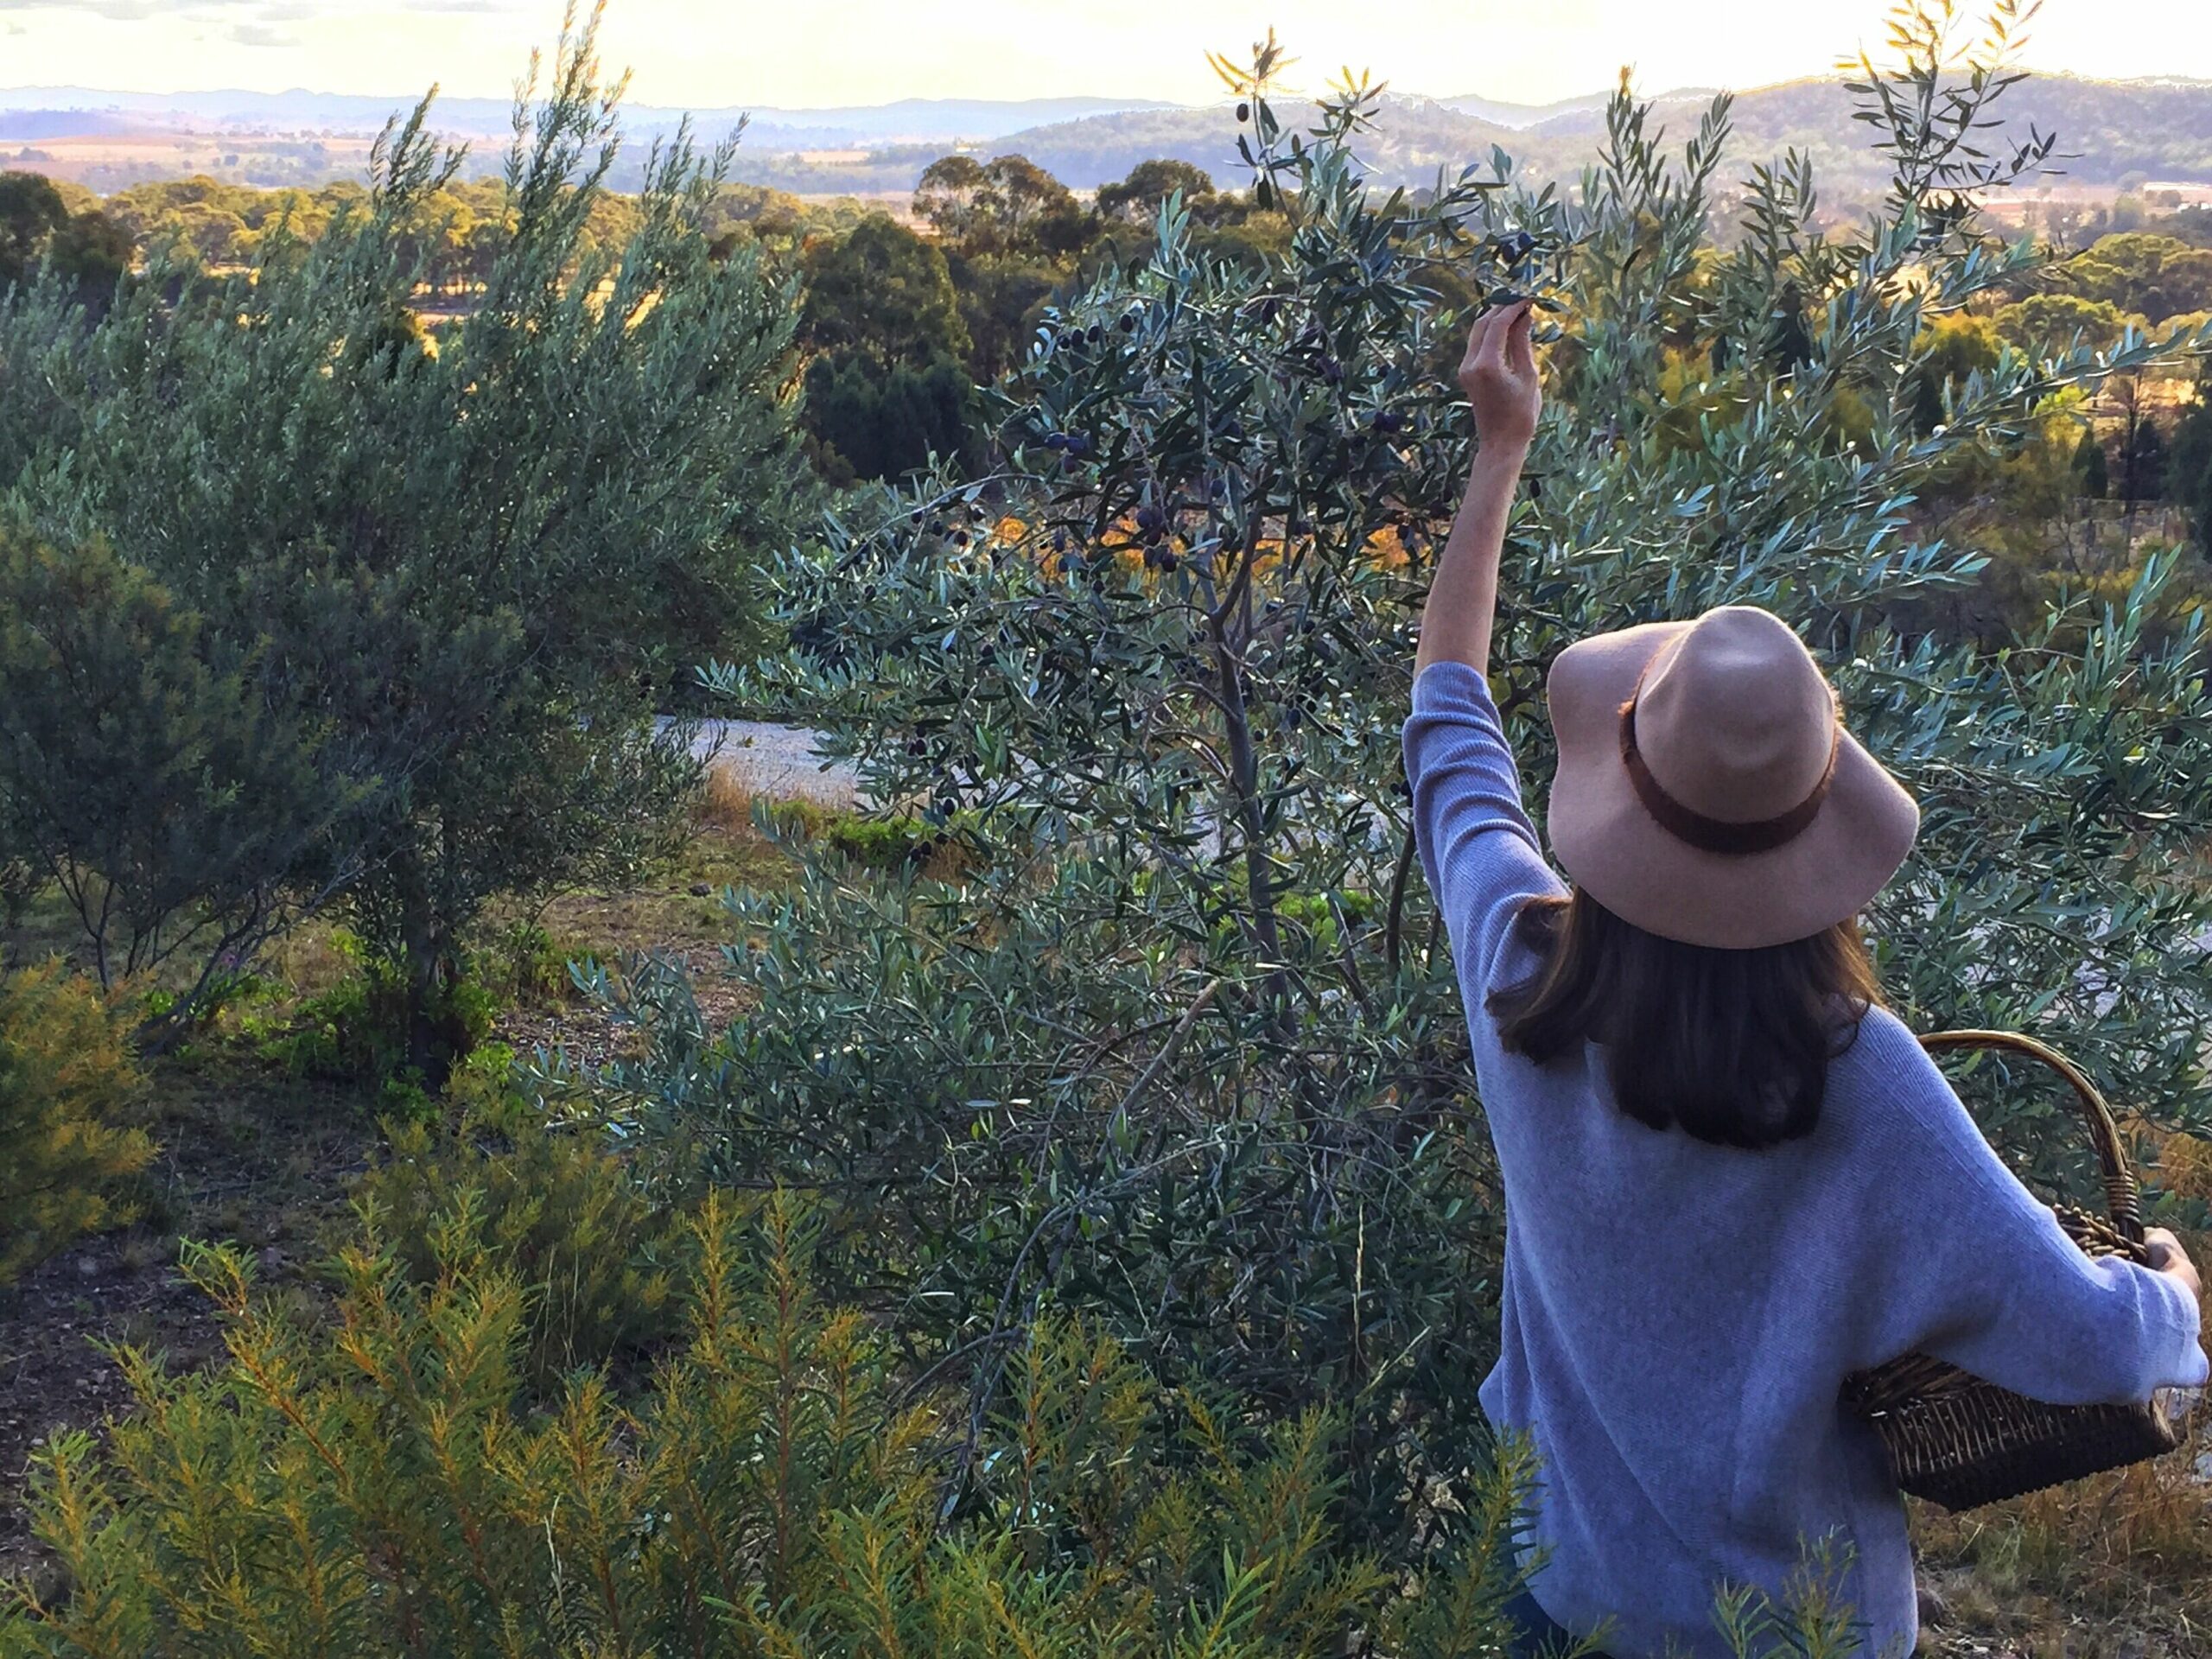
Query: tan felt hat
x,y
1707,792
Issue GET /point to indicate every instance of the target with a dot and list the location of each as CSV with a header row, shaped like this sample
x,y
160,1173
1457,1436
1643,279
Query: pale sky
x,y
810,53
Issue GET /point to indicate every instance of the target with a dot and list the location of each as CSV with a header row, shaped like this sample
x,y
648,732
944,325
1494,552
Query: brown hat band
x,y
1718,835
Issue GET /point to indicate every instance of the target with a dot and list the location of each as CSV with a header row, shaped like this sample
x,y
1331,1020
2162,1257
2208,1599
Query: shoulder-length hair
x,y
1731,1046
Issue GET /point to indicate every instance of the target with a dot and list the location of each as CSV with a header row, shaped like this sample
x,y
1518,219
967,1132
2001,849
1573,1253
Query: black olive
x,y
1055,440
1387,420
1129,322
1243,112
1094,333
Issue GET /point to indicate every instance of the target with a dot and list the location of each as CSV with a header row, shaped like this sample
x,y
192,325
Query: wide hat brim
x,y
1604,836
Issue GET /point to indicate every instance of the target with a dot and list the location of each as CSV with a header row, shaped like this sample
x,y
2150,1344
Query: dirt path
x,y
778,761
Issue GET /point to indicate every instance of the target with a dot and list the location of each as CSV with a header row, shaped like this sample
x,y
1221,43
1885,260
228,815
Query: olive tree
x,y
466,563
1169,1035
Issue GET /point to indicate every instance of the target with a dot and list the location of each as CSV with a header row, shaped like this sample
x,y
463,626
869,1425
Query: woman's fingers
x,y
1500,325
1520,346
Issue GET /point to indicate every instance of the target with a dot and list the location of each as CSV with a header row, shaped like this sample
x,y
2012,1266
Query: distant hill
x,y
2117,132
909,120
1524,114
2160,130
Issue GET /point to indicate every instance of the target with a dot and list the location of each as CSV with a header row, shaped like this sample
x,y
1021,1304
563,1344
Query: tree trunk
x,y
427,956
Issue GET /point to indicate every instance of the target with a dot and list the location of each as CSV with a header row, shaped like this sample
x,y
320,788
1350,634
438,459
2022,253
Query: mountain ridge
x,y
2148,128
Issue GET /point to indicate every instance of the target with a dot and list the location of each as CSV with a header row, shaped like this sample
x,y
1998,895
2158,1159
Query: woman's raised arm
x,y
1499,376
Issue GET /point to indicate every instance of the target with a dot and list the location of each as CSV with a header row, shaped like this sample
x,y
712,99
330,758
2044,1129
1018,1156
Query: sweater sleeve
x,y
1478,848
1980,1273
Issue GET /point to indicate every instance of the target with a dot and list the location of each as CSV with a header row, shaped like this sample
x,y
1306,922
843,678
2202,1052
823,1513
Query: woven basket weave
x,y
1960,1442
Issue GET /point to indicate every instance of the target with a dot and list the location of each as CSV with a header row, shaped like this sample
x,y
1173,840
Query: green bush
x,y
410,601
65,1070
376,1488
877,840
556,1211
147,766
356,1031
524,964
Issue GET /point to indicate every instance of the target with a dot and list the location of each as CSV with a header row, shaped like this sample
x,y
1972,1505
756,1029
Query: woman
x,y
1731,1177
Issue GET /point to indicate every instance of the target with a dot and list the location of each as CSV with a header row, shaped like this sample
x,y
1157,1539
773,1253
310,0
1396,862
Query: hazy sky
x,y
797,53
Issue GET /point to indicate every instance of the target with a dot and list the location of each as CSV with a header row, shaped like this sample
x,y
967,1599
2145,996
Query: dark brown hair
x,y
1732,1046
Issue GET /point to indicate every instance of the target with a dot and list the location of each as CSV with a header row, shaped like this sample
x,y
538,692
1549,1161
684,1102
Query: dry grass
x,y
725,805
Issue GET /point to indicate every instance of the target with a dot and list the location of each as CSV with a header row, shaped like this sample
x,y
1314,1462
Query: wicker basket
x,y
1960,1442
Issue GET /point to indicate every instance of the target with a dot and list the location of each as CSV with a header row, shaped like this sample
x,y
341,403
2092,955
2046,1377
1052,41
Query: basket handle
x,y
2120,1194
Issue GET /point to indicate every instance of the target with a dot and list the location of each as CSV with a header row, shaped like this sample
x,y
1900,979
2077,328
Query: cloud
x,y
288,11
262,35
128,10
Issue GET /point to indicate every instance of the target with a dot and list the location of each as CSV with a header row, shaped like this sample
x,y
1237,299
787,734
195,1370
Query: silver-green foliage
x,y
1181,1045
459,566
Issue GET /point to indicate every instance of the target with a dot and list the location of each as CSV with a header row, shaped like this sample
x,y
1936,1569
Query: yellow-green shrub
x,y
378,1485
556,1209
65,1070
376,1488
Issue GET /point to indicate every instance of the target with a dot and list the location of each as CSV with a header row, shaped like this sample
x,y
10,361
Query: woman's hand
x,y
2168,1257
1499,376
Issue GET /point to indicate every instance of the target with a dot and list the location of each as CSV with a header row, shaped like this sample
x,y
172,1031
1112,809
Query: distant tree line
x,y
89,250
905,324
904,319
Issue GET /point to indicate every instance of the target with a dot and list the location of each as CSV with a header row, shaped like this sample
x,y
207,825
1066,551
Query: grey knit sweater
x,y
1678,1316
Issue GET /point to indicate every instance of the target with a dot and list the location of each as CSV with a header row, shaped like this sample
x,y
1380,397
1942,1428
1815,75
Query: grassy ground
x,y
2119,1567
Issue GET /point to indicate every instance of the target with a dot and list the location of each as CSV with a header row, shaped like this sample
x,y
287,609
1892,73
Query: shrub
x,y
358,1030
878,840
524,964
459,570
65,1070
776,1491
557,1211
151,768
